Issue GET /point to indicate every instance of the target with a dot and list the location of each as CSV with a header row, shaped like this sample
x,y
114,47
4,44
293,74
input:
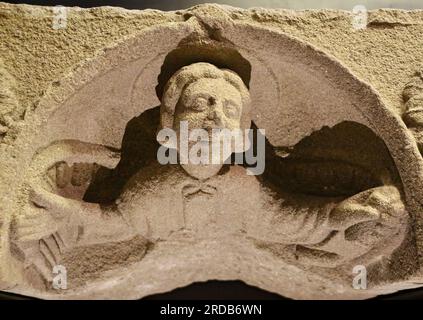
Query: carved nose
x,y
215,111
214,115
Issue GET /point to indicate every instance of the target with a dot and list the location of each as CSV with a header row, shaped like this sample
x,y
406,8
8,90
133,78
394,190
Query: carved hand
x,y
366,220
46,213
381,204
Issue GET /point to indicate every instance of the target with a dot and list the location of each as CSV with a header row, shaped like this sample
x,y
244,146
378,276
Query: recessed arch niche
x,y
295,89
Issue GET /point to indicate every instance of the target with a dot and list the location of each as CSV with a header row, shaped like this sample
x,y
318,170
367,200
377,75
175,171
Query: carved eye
x,y
200,104
231,110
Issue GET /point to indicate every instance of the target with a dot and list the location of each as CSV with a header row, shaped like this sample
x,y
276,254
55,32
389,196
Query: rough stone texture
x,y
81,186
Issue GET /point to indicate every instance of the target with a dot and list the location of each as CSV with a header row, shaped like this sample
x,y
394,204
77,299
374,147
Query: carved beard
x,y
202,161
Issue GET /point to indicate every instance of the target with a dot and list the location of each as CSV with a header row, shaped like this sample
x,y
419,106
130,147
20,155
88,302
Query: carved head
x,y
206,97
202,96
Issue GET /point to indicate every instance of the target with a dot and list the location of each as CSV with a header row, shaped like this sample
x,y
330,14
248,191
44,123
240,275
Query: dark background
x,y
228,290
231,290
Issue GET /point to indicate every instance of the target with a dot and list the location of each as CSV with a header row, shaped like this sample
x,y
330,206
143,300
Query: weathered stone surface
x,y
82,186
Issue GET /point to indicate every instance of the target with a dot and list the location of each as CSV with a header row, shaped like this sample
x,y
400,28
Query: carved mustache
x,y
215,123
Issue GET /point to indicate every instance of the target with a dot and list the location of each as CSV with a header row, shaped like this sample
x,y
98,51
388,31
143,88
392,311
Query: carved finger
x,y
368,233
34,223
388,201
63,174
81,173
316,257
350,213
28,222
56,205
43,267
47,253
38,198
31,235
54,248
34,232
60,243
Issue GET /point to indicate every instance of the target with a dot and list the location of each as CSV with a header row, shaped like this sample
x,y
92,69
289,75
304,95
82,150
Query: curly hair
x,y
190,74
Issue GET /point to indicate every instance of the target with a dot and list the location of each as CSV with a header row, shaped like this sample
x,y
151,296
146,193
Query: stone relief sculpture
x,y
334,194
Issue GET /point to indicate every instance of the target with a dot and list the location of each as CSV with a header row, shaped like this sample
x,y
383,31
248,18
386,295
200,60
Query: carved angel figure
x,y
316,203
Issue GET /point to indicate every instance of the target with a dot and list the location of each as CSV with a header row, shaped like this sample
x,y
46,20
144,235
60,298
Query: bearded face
x,y
210,105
